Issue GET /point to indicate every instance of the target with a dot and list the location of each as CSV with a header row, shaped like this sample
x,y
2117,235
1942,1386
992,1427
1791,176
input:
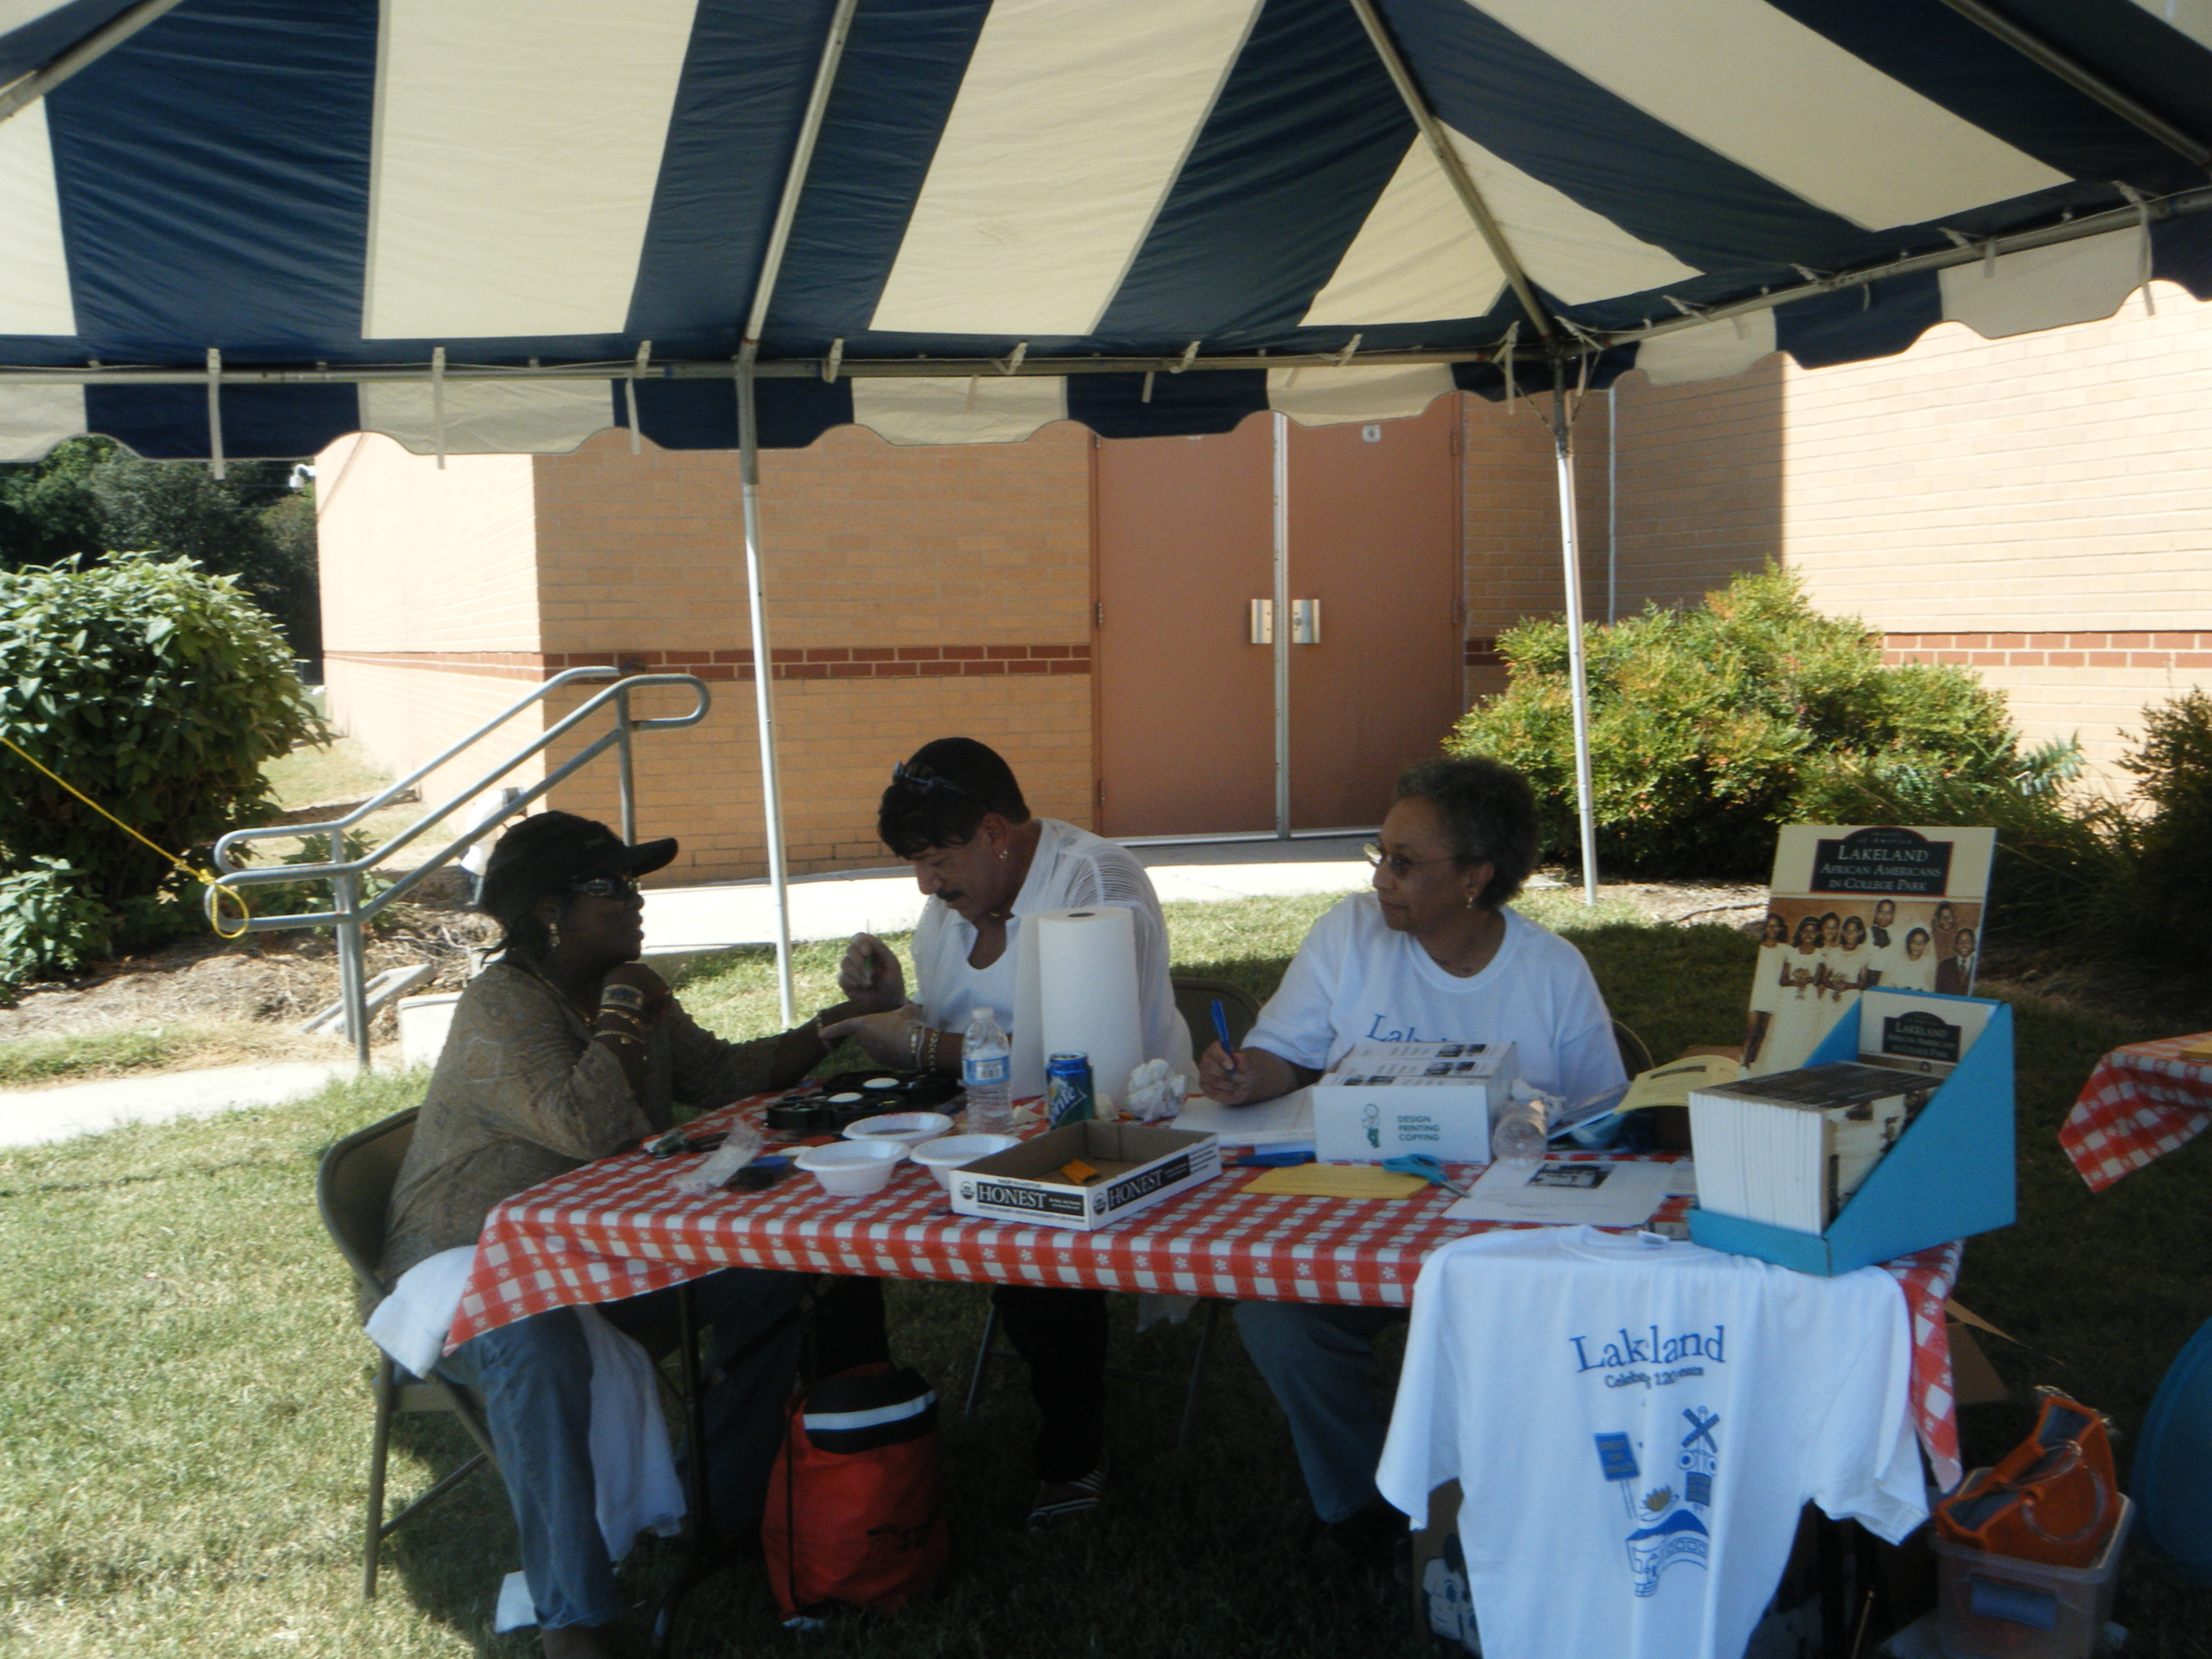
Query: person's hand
x,y
887,1038
870,975
1224,1077
659,998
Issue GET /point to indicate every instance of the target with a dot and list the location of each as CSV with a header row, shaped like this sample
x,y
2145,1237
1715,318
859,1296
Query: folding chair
x,y
1194,999
353,1189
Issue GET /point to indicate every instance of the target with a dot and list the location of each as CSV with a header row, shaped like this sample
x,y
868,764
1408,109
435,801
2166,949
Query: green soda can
x,y
1069,1095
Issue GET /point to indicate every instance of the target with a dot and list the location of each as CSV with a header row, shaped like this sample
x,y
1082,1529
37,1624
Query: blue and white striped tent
x,y
247,227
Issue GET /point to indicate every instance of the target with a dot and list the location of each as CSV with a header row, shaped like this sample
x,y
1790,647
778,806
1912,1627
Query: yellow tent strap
x,y
244,916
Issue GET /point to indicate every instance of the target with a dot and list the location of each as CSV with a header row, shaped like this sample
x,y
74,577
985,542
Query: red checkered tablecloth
x,y
618,1228
2140,1103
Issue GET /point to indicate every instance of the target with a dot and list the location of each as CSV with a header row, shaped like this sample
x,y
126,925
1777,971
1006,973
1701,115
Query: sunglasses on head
x,y
607,887
911,774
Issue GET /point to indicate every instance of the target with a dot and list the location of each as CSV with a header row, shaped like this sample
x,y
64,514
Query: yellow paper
x,y
2199,1052
1335,1181
1670,1084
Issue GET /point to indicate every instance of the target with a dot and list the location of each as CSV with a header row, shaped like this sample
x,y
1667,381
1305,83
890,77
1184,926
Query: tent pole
x,y
1562,444
1281,633
764,686
85,53
786,210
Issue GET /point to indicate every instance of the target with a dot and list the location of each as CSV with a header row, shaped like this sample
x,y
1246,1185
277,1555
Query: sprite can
x,y
1069,1095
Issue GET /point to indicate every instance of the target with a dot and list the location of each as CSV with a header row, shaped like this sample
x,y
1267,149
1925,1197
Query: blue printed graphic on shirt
x,y
1666,1518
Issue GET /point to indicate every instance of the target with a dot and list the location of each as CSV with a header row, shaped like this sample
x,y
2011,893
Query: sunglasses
x,y
909,774
607,887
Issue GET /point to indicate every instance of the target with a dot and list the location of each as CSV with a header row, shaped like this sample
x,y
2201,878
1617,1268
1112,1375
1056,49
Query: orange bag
x,y
2054,1499
855,1512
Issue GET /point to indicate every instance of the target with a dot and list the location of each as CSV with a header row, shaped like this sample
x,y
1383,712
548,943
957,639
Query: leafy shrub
x,y
47,924
1709,727
2167,844
157,689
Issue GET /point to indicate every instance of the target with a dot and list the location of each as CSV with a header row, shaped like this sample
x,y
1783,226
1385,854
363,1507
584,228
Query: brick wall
x,y
912,594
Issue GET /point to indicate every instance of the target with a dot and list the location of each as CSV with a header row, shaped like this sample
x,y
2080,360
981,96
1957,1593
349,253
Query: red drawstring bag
x,y
855,1512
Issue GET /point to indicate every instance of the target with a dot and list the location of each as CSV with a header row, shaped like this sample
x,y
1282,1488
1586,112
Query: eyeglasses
x,y
1398,864
607,887
910,774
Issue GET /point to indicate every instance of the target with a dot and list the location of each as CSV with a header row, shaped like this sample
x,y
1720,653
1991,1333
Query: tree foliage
x,y
158,691
91,498
1711,727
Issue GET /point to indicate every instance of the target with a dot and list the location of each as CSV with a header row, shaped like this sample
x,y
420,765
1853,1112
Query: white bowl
x,y
941,1158
907,1128
853,1169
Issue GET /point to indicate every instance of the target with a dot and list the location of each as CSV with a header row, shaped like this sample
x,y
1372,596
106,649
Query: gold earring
x,y
1002,855
552,935
1471,898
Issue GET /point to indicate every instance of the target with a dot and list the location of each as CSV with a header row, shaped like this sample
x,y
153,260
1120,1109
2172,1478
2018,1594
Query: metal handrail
x,y
349,912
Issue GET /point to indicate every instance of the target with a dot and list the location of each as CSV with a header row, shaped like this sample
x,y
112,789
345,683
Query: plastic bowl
x,y
907,1128
853,1169
941,1158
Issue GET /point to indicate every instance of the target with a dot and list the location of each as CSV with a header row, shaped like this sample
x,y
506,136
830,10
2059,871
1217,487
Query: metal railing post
x,y
353,979
623,745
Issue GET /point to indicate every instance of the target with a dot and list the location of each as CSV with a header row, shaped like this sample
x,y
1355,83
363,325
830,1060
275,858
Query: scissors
x,y
1421,1164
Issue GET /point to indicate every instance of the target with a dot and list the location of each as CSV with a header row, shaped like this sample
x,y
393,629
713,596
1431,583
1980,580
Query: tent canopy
x,y
485,225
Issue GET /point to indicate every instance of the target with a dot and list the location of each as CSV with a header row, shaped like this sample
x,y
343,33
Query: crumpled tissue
x,y
716,1169
1156,1094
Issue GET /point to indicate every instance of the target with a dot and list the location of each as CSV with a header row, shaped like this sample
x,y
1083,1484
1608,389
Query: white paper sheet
x,y
1285,1120
1603,1193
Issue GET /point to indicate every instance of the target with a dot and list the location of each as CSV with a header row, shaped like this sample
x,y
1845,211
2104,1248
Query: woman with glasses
x,y
1430,954
565,1048
956,813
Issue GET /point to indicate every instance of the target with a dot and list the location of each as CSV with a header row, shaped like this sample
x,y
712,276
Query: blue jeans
x,y
535,1377
1316,1358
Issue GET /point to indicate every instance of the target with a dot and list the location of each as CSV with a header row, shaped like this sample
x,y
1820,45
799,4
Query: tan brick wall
x,y
418,561
962,574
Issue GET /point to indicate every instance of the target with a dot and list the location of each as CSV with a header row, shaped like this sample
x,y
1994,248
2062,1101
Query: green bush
x,y
2167,844
47,924
159,691
1709,727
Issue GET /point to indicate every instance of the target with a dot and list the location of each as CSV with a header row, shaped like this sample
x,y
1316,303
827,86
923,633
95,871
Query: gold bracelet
x,y
620,1037
914,1045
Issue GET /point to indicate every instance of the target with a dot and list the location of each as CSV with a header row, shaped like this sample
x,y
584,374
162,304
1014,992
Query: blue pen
x,y
1221,1030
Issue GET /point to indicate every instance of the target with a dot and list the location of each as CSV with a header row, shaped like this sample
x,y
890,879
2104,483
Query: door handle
x,y
1263,622
1305,622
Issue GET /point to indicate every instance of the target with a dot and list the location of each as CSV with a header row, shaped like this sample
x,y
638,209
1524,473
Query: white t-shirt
x,y
1355,978
1073,869
1636,1424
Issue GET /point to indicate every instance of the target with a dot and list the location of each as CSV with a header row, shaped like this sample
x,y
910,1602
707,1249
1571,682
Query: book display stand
x,y
1950,1174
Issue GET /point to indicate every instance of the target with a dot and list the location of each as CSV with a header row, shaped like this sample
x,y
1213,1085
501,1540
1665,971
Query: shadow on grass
x,y
1197,1553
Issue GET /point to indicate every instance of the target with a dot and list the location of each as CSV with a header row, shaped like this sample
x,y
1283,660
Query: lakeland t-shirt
x,y
1353,980
1635,1424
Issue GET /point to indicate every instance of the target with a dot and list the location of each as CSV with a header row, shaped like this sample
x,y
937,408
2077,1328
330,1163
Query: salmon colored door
x,y
1185,543
1375,538
1186,704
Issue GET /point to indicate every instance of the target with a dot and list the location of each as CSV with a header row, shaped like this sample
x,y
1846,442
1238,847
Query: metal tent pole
x,y
764,687
779,239
1281,633
1562,444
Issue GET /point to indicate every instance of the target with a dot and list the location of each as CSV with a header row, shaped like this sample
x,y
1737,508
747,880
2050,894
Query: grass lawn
x,y
184,1415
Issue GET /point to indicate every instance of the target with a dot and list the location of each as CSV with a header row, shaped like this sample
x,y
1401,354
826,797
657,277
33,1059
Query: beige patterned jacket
x,y
522,1093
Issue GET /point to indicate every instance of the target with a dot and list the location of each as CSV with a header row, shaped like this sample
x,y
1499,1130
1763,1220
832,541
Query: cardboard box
x,y
1949,1175
1386,1100
1138,1166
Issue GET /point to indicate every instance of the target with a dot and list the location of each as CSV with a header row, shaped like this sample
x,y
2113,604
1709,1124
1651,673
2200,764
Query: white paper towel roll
x,y
1086,981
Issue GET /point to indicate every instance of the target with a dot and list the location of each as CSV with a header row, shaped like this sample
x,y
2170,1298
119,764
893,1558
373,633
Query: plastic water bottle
x,y
1519,1133
986,1069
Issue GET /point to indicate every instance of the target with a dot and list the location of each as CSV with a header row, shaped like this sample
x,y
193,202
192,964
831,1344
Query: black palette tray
x,y
814,1106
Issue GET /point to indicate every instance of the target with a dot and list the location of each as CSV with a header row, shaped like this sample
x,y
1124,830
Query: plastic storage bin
x,y
1995,1608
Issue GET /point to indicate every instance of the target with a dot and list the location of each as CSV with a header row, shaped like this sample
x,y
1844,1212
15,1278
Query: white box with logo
x,y
1134,1167
1387,1099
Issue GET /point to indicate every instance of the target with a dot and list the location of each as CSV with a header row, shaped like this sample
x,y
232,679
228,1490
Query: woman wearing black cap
x,y
565,1048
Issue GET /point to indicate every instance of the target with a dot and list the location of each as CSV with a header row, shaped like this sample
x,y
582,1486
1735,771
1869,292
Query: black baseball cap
x,y
550,851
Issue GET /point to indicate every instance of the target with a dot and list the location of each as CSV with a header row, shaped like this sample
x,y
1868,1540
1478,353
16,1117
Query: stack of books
x,y
1790,1148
